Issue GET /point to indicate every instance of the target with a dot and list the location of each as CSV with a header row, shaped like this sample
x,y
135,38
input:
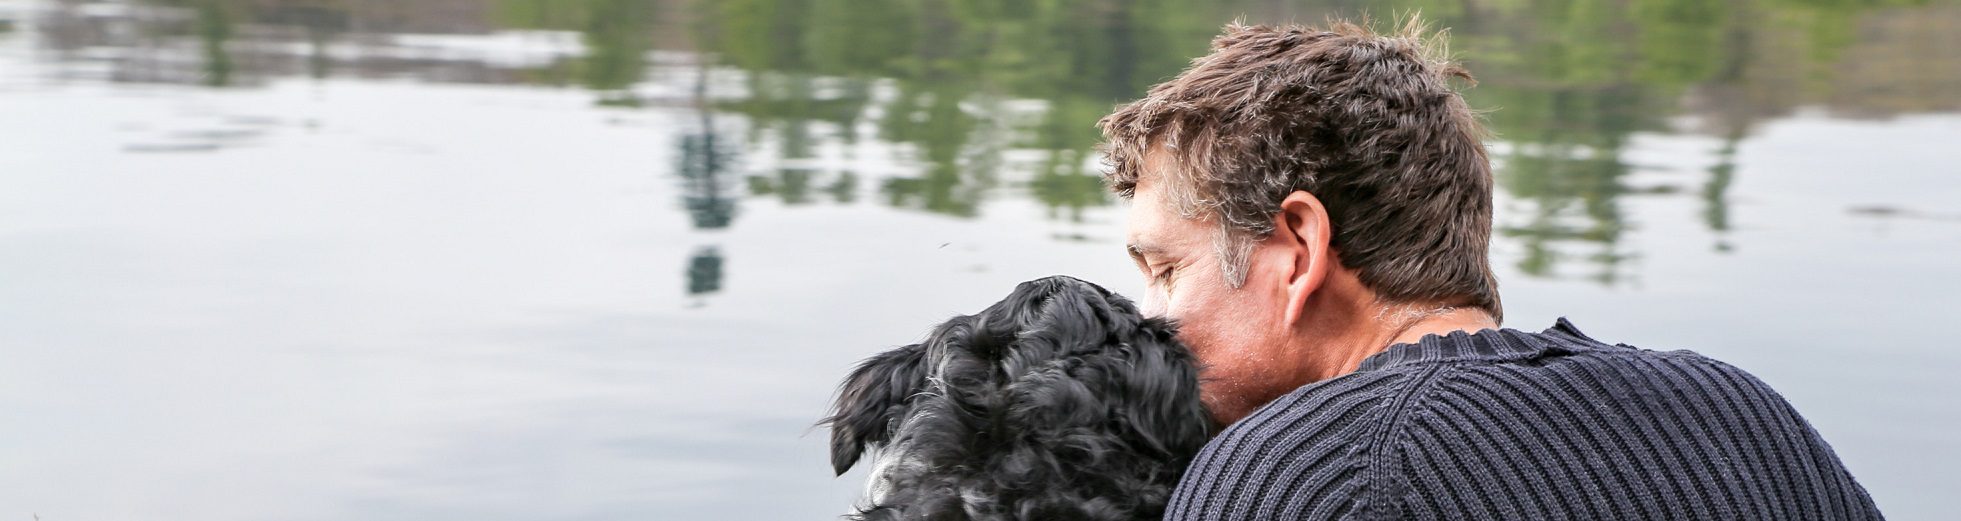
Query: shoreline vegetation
x,y
992,96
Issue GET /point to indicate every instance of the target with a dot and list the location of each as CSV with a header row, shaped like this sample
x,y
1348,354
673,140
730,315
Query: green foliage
x,y
617,35
214,29
1565,84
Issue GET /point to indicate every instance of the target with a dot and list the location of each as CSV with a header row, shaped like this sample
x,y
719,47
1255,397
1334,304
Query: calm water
x,y
605,259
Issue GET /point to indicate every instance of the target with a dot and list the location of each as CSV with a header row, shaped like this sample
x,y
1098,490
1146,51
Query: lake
x,y
607,259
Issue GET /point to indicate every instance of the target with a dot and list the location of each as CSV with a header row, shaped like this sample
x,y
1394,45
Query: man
x,y
1314,207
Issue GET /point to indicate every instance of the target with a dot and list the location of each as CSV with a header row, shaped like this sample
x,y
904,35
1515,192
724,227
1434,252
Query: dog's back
x,y
1059,402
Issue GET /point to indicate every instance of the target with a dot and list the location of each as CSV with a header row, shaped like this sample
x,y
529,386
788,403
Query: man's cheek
x,y
1156,302
1162,300
1196,332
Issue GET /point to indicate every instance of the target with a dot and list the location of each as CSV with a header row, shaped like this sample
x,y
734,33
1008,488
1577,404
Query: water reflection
x,y
1715,192
323,196
214,29
617,36
1569,94
704,169
965,88
704,273
984,97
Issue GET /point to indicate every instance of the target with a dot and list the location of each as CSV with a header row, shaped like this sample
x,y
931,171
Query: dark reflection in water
x,y
214,27
704,271
704,169
986,96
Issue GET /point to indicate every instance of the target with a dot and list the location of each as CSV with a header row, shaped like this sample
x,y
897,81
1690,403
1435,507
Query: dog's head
x,y
1060,400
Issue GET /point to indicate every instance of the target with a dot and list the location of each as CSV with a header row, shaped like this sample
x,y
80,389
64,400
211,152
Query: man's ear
x,y
872,398
1305,231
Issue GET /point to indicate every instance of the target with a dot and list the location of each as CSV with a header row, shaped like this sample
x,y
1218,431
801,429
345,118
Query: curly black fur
x,y
1059,402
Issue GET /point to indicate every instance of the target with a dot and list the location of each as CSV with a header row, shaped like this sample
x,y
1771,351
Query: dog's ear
x,y
1163,391
875,395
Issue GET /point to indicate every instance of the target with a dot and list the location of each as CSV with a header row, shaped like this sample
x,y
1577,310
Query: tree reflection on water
x,y
973,100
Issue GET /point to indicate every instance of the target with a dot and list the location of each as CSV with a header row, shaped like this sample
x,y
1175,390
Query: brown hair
x,y
1367,123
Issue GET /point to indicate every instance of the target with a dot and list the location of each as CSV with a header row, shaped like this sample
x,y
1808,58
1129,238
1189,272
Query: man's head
x,y
1298,188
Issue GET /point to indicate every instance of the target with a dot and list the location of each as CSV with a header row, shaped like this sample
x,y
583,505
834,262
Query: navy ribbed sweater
x,y
1505,424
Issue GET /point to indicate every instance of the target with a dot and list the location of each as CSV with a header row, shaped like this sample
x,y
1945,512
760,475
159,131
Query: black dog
x,y
1060,402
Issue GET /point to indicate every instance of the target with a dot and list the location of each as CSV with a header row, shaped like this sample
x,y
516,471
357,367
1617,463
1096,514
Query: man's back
x,y
1513,425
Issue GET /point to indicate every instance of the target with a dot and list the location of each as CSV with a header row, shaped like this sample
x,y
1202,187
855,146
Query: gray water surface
x,y
606,259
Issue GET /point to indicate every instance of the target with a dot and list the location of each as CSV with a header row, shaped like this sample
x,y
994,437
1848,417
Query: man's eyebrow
x,y
1139,250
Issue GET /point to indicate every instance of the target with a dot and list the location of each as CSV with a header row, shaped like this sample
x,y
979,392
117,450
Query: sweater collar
x,y
1484,345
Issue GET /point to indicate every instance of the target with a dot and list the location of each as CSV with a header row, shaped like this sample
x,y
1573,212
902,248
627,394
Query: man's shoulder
x,y
1608,430
1298,457
1558,365
1552,424
1576,375
1568,393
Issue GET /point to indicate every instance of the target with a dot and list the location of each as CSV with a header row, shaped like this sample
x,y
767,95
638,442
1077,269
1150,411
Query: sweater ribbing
x,y
1505,424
